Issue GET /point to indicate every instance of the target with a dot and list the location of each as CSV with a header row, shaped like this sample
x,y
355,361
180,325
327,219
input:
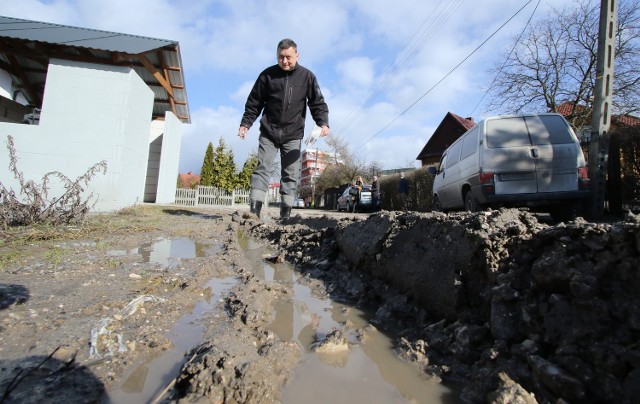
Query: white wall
x,y
90,113
170,159
6,84
153,163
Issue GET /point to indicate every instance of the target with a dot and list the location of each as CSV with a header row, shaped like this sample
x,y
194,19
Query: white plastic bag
x,y
315,134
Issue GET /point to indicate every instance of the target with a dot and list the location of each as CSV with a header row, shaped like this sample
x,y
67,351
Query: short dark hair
x,y
286,44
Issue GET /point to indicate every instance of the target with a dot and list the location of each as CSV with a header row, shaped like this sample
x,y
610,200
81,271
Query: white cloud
x,y
395,51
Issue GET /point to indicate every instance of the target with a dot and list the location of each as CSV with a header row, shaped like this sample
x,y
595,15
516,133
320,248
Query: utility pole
x,y
600,120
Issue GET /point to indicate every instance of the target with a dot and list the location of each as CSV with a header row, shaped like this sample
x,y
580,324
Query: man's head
x,y
375,178
287,54
401,175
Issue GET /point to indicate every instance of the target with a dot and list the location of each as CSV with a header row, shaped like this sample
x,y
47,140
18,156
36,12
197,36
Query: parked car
x,y
298,203
531,160
350,202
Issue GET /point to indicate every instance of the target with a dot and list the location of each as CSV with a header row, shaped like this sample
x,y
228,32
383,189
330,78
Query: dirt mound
x,y
242,361
498,304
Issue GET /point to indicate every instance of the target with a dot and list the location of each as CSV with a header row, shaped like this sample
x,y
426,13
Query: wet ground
x,y
217,305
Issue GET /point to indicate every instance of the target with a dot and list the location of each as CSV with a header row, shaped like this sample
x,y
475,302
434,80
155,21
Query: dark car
x,y
351,201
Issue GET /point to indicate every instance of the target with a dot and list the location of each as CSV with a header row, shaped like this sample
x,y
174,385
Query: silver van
x,y
515,161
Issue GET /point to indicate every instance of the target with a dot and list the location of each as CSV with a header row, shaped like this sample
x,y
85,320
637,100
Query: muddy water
x,y
148,379
369,372
169,252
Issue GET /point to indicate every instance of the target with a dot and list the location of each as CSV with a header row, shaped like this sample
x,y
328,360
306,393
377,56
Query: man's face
x,y
287,59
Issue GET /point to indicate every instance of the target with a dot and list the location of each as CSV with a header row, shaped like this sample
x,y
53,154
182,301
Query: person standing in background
x,y
375,194
281,94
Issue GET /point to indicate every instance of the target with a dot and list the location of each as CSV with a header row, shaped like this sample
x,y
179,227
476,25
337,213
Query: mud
x,y
497,306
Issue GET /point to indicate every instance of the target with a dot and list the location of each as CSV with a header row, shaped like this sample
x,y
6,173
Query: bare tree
x,y
374,168
344,168
338,147
554,62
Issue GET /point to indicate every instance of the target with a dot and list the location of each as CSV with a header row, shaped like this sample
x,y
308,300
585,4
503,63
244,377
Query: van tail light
x,y
583,178
486,178
487,183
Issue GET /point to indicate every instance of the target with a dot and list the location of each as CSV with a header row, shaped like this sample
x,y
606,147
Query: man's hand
x,y
242,132
325,131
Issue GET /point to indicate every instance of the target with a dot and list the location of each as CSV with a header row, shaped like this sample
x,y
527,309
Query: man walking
x,y
281,93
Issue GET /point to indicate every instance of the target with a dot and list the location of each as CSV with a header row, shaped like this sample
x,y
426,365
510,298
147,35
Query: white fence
x,y
211,196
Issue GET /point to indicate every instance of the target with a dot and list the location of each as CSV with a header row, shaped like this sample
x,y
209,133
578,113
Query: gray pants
x,y
290,169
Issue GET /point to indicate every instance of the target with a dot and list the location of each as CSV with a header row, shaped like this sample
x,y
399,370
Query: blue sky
x,y
373,60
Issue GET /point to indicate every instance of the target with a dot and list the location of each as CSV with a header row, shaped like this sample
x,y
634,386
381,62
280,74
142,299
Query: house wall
x,y
90,113
164,158
153,168
170,159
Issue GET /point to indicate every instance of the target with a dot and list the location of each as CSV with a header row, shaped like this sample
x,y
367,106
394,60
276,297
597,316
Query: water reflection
x,y
169,252
149,378
368,371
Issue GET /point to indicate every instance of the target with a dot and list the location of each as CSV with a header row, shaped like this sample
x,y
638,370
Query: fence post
x,y
197,195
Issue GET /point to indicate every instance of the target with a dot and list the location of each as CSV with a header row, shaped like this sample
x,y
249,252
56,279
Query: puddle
x,y
150,378
169,252
370,371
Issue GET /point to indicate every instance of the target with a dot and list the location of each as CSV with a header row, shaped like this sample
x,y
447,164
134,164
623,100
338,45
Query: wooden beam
x,y
169,102
31,92
156,84
149,66
168,80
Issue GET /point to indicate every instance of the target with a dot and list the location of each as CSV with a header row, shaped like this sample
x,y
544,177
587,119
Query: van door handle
x,y
534,153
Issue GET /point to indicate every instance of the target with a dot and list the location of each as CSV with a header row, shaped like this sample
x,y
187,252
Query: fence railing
x,y
211,196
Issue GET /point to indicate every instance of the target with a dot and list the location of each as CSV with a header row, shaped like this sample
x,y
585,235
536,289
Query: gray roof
x,y
27,46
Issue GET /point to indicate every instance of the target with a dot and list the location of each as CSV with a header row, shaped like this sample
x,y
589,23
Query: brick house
x,y
448,131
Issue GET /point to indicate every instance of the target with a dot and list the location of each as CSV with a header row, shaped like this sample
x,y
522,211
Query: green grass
x,y
8,258
54,256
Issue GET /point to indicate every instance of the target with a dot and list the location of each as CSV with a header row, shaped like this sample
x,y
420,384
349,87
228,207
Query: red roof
x,y
448,131
628,120
566,109
189,180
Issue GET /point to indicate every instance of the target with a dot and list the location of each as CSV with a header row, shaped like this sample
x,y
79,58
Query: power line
x,y
506,60
445,76
415,44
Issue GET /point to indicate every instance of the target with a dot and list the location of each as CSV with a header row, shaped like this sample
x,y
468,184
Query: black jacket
x,y
282,98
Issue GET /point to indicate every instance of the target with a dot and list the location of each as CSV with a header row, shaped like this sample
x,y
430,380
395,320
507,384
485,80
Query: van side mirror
x,y
432,170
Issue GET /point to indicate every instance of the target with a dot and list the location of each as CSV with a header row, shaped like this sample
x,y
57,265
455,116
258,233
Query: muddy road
x,y
166,304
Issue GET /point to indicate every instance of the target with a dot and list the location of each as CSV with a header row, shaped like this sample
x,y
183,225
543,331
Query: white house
x,y
71,97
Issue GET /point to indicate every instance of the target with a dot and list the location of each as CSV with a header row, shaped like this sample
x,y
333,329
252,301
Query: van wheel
x,y
470,203
437,206
563,212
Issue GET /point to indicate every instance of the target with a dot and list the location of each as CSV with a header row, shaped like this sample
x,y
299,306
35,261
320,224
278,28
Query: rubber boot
x,y
255,207
285,212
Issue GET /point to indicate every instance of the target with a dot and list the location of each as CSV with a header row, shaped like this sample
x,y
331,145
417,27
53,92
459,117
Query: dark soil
x,y
498,306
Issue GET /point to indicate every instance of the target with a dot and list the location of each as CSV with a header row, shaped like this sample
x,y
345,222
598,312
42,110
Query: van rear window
x,y
525,131
507,132
547,129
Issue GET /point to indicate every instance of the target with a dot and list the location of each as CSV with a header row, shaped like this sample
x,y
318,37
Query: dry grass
x,y
32,204
95,226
